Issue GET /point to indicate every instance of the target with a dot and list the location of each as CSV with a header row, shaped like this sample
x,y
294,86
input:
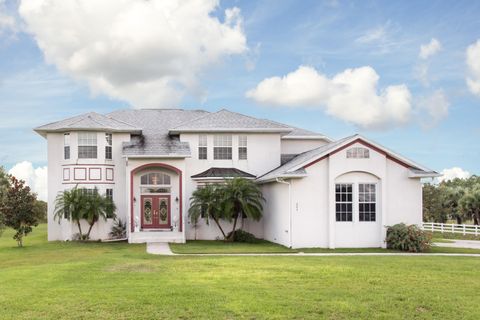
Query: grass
x,y
61,280
456,236
221,247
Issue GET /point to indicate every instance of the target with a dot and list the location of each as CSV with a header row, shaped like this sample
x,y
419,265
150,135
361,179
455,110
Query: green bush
x,y
408,238
243,236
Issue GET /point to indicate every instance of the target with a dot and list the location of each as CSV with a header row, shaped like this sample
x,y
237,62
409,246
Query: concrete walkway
x,y
469,244
160,248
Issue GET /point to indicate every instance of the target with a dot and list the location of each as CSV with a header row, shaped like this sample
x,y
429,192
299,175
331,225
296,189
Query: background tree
x,y
433,210
19,209
470,203
206,202
241,198
450,198
4,183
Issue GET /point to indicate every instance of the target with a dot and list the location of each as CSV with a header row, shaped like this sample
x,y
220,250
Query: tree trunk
x,y
89,230
220,227
232,234
475,219
79,229
459,220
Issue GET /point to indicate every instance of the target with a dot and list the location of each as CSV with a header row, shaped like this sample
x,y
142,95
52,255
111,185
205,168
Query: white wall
x,y
296,146
101,173
276,219
263,154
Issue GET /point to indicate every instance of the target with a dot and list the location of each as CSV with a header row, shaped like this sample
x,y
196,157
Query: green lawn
x,y
458,236
221,247
120,281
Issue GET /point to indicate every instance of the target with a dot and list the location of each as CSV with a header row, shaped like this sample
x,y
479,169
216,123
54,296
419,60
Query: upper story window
x,y
108,146
344,201
367,202
242,147
202,147
358,153
222,147
87,145
66,146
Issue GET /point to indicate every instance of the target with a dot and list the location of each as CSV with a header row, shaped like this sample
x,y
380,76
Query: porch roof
x,y
223,173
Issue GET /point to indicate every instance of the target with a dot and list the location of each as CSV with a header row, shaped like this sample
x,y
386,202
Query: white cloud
x,y
376,34
351,95
473,64
149,53
436,106
452,173
429,49
35,178
7,22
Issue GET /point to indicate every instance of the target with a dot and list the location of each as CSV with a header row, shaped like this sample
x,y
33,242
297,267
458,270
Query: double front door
x,y
155,211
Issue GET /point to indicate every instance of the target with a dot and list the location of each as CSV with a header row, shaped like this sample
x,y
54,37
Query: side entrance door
x,y
155,211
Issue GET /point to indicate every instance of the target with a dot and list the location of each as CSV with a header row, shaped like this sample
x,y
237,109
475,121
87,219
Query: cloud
x,y
473,64
429,49
149,53
452,173
373,35
7,22
35,178
351,95
436,106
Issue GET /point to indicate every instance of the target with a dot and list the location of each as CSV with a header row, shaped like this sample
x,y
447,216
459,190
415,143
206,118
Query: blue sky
x,y
329,37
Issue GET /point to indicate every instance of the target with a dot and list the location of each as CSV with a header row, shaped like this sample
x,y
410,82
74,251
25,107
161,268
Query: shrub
x,y
408,238
243,236
119,229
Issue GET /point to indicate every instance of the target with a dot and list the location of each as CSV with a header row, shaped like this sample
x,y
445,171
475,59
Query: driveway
x,y
471,244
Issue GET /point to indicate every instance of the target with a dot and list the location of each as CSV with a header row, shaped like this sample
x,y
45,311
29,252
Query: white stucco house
x,y
319,192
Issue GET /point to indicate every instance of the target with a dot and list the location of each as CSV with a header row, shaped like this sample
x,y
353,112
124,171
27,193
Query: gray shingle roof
x,y
223,173
89,121
155,123
225,120
286,169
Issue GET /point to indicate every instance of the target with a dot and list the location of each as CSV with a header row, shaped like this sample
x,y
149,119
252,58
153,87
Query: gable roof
x,y
228,121
222,173
295,168
88,121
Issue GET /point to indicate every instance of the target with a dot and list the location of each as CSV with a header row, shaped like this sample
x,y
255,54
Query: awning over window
x,y
221,173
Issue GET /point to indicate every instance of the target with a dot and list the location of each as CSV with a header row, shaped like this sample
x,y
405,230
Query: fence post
x,y
464,233
476,230
453,228
441,227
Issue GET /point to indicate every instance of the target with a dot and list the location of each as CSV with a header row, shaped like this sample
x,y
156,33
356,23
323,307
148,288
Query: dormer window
x,y
202,147
87,145
358,153
242,147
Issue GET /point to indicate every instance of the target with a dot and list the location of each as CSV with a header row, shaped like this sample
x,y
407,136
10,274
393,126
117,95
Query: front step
x,y
160,236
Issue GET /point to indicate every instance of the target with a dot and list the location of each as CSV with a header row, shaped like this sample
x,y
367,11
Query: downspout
x,y
281,180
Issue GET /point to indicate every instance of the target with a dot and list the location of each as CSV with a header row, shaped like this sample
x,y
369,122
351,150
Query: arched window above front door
x,y
155,179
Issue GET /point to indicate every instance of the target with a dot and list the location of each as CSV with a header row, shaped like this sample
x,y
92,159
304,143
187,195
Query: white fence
x,y
451,228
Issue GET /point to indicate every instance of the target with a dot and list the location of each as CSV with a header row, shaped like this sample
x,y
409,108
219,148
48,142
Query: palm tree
x,y
242,197
97,206
80,203
70,204
207,202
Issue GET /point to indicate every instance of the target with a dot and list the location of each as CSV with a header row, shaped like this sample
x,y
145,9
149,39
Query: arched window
x,y
358,153
155,179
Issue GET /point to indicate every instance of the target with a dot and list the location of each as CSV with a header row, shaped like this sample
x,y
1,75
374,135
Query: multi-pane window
x,y
155,179
222,147
358,153
87,145
242,147
366,202
108,146
202,147
66,146
109,195
344,201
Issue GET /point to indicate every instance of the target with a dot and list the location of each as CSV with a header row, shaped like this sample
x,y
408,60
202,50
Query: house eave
x,y
224,130
307,138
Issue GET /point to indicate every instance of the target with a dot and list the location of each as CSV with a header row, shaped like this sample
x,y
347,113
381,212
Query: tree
x,y
432,204
241,198
207,202
470,203
4,183
80,204
41,209
19,209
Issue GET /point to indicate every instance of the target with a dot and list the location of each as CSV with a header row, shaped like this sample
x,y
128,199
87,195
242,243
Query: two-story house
x,y
319,192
